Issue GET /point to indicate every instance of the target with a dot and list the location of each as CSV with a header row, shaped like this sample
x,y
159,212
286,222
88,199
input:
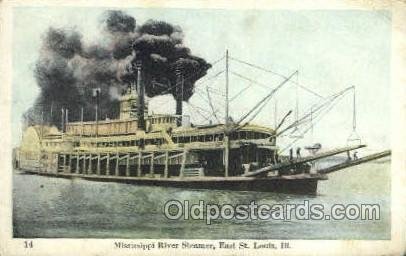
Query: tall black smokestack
x,y
179,96
140,100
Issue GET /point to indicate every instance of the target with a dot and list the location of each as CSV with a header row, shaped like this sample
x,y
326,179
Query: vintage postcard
x,y
201,127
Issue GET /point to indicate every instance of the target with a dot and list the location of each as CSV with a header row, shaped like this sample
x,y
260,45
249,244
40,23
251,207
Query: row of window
x,y
51,144
163,120
242,135
200,138
176,139
126,143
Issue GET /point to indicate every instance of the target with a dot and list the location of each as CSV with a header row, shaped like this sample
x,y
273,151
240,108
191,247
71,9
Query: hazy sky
x,y
331,49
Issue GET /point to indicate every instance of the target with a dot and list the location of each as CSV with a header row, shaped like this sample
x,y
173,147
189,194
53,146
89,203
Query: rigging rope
x,y
249,79
200,93
197,111
319,116
239,93
218,60
190,76
210,78
211,105
354,113
354,135
216,91
277,74
297,97
259,110
328,100
266,97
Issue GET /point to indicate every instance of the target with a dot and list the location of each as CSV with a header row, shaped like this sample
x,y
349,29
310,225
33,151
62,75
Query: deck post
x,y
64,163
226,155
77,162
57,163
182,167
151,166
139,164
84,164
117,160
70,164
108,164
89,171
98,164
127,166
166,164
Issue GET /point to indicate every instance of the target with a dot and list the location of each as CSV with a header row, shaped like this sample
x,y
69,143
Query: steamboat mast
x,y
141,100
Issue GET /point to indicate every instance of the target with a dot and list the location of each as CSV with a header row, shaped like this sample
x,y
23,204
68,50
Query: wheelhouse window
x,y
234,136
243,135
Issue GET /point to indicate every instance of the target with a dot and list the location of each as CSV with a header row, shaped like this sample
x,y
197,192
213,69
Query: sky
x,y
331,49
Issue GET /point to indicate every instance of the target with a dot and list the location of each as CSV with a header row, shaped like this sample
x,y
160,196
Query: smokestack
x,y
179,96
133,85
140,100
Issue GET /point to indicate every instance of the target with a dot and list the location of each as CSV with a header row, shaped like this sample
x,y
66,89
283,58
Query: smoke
x,y
68,70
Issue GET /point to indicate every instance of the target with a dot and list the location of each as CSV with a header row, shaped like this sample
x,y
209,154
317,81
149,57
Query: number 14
x,y
28,244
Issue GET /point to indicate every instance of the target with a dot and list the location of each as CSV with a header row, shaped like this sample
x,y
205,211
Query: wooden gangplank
x,y
302,160
350,163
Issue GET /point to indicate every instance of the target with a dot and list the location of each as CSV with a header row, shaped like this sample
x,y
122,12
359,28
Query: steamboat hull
x,y
294,184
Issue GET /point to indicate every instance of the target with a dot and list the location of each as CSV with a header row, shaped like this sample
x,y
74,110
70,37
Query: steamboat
x,y
168,150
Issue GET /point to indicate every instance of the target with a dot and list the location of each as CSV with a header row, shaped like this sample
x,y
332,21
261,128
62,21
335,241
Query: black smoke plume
x,y
68,70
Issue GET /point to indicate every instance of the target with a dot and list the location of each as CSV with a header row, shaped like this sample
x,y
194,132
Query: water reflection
x,y
56,207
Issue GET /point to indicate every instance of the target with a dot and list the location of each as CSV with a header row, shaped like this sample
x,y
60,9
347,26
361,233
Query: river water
x,y
75,208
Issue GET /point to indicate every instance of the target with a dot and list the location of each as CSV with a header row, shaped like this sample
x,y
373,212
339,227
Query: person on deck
x,y
291,154
298,152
